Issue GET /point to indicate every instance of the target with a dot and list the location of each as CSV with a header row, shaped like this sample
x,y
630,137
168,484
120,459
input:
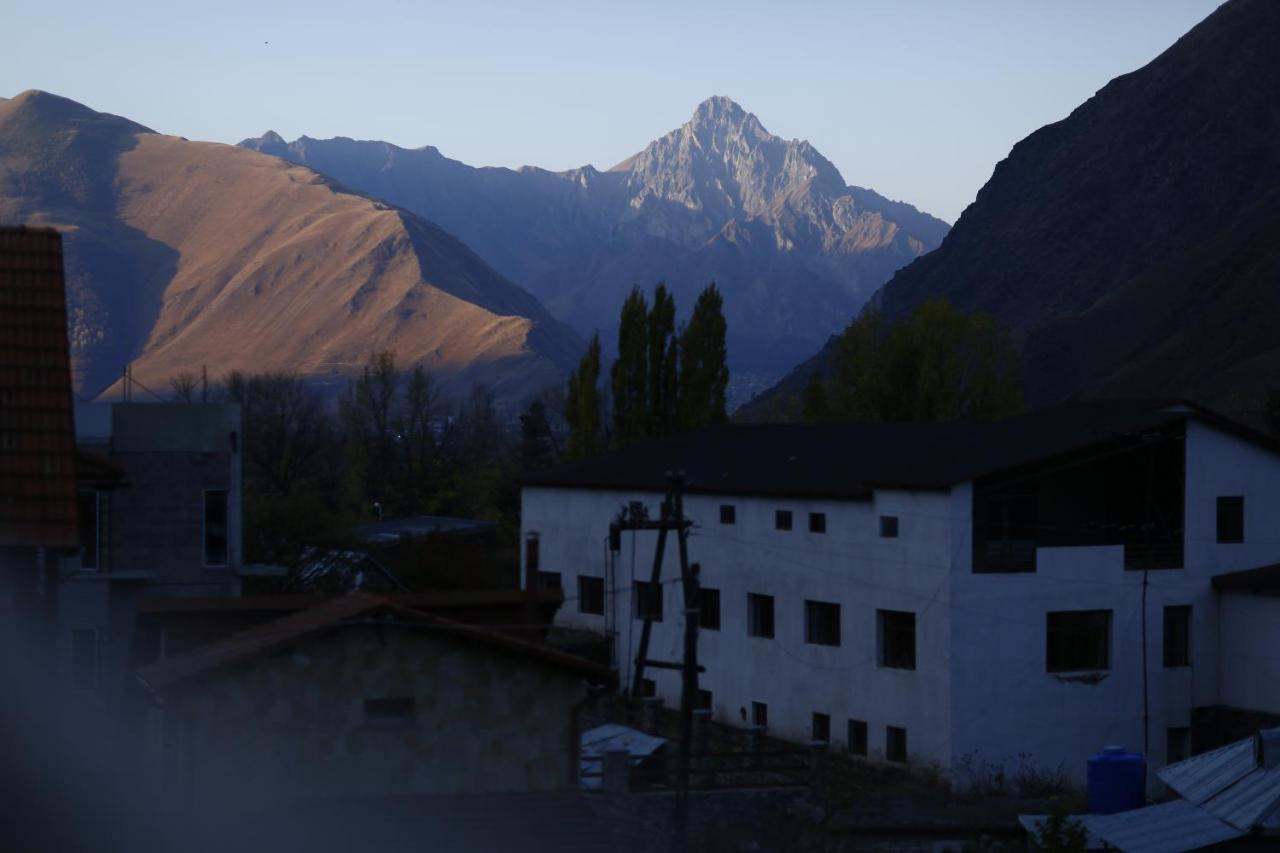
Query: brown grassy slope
x,y
268,266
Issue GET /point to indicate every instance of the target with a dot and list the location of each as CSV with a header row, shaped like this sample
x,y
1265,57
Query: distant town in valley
x,y
353,497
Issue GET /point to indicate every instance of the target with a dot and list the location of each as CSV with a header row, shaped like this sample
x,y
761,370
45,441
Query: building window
x,y
897,639
90,530
782,519
1231,519
648,601
550,580
704,700
1177,744
760,715
648,687
709,608
821,728
895,743
822,623
1177,636
888,527
728,514
389,713
858,737
817,522
215,528
84,658
590,595
1078,640
759,615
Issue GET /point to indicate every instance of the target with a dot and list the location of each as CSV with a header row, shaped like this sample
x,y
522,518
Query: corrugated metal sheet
x,y
37,434
613,737
1166,828
1199,778
1248,802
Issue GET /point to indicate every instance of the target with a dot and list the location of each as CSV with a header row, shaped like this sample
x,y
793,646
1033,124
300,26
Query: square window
x,y
550,580
215,528
648,687
1231,519
760,715
822,623
888,527
728,514
759,615
648,601
1177,636
392,712
590,595
84,658
1177,744
89,531
1078,640
782,519
817,522
897,639
704,700
895,743
858,737
821,727
709,608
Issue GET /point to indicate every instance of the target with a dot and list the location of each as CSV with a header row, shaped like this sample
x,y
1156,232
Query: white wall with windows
x,y
833,556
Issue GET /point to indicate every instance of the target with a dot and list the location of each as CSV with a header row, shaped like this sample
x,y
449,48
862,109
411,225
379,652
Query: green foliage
x,y
629,377
704,372
537,446
939,364
1060,833
663,357
582,409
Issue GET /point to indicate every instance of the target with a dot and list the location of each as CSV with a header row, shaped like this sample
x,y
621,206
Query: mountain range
x,y
793,248
1133,248
183,255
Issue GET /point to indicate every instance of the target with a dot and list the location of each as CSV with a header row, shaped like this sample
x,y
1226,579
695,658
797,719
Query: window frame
x,y
783,519
226,529
889,527
760,714
817,522
1230,528
755,628
594,595
705,594
728,514
1176,639
856,737
1107,618
820,727
889,634
643,594
816,616
891,753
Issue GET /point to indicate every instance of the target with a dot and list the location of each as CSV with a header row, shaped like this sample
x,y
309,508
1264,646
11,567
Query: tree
x,y
582,407
536,447
814,405
369,412
704,374
629,377
939,364
184,386
663,363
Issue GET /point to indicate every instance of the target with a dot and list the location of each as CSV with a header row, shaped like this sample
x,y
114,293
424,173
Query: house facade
x,y
949,594
357,696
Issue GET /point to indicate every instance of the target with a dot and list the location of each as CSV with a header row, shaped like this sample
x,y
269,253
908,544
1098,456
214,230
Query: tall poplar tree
x,y
629,377
704,373
582,406
662,365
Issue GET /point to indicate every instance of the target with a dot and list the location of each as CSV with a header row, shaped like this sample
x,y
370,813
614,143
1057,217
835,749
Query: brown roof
x,y
37,430
334,613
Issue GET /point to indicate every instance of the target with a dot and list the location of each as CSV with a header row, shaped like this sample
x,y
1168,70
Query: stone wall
x,y
295,722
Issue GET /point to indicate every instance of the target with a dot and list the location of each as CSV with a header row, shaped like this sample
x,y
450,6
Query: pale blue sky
x,y
917,99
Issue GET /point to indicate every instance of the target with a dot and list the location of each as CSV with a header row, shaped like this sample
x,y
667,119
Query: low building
x,y
160,515
360,696
956,594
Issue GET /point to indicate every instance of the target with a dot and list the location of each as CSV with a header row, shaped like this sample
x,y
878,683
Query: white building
x,y
938,592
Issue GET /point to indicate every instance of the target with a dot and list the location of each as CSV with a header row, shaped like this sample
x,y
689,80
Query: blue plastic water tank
x,y
1117,781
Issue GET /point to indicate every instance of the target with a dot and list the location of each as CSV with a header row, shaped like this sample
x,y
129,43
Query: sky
x,y
917,99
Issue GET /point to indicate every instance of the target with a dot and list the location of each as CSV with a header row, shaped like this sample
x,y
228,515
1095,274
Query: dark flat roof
x,y
846,461
1264,580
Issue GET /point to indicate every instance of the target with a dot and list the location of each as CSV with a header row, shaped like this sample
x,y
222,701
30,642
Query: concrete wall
x,y
849,564
294,722
1250,646
1006,703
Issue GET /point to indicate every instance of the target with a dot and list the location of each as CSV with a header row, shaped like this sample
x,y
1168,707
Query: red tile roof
x,y
334,613
37,429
